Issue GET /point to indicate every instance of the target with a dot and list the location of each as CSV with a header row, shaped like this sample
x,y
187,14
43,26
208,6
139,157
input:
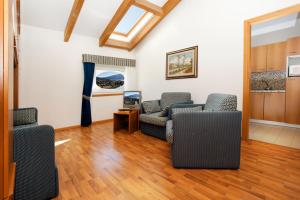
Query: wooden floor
x,y
96,164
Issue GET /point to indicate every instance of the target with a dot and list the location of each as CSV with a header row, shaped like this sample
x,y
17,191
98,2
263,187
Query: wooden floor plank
x,y
95,163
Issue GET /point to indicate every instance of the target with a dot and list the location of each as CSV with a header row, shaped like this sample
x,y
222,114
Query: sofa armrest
x,y
182,105
25,116
207,139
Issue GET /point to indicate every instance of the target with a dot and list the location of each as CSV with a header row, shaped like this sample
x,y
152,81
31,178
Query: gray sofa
x,y
34,154
207,139
154,123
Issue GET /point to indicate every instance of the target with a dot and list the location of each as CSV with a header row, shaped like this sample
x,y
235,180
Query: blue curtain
x,y
86,116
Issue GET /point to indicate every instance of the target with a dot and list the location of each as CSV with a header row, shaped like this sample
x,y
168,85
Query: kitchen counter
x,y
267,91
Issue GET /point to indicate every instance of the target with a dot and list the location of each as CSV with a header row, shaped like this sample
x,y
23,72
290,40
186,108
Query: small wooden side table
x,y
128,120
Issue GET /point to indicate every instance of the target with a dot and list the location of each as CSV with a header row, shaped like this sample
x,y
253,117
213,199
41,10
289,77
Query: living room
x,y
145,99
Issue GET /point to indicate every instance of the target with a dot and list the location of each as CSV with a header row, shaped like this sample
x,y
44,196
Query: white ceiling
x,y
288,21
54,14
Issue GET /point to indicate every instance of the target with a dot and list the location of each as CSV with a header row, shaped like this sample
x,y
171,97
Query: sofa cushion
x,y
169,131
151,106
221,102
154,118
170,98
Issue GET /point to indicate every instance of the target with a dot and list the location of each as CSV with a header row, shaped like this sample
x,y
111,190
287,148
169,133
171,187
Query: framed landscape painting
x,y
182,63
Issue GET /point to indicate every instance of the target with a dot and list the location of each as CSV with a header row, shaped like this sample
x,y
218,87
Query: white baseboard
x,y
275,123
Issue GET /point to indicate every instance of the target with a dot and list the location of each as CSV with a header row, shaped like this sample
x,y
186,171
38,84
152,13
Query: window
x,y
133,21
129,21
127,37
108,81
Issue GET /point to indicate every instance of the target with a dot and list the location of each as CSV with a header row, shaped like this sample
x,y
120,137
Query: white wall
x,y
51,76
217,28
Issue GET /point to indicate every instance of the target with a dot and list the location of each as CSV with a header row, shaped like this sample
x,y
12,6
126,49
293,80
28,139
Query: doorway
x,y
248,25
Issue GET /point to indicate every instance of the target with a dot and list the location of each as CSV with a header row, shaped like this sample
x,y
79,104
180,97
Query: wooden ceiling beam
x,y
126,4
117,44
148,6
77,5
18,5
167,8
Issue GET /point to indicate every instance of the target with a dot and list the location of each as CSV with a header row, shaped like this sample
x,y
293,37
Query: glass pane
x,y
129,20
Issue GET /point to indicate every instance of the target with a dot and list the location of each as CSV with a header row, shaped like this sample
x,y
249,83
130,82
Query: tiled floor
x,y
280,135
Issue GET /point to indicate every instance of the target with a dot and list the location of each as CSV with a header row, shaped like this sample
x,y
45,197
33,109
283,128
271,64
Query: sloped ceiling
x,y
53,14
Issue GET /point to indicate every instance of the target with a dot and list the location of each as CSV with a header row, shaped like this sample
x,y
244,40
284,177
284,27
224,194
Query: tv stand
x,y
126,109
126,119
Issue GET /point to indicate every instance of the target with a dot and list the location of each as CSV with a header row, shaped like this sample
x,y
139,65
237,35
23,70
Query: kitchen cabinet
x,y
293,100
276,56
270,57
257,105
274,106
258,59
293,46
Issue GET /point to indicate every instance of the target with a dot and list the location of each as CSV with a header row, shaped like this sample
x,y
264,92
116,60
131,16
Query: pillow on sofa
x,y
151,106
164,112
187,110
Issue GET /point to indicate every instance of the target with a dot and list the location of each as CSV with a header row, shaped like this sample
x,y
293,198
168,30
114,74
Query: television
x,y
132,99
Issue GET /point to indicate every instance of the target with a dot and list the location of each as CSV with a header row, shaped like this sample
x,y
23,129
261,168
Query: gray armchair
x,y
207,139
34,154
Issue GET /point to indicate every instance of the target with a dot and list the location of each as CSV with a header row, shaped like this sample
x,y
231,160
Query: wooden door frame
x,y
247,59
2,100
16,75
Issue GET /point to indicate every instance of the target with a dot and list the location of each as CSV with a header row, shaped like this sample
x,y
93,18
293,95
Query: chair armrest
x,y
207,129
205,125
207,139
34,154
36,142
25,116
182,105
142,107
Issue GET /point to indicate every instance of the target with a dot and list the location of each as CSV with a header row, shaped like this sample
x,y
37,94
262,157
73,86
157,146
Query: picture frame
x,y
182,63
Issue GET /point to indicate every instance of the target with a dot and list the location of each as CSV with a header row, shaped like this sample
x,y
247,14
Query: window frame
x,y
158,14
108,68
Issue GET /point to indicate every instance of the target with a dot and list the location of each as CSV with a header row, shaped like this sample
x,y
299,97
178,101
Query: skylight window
x,y
130,19
133,20
135,29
